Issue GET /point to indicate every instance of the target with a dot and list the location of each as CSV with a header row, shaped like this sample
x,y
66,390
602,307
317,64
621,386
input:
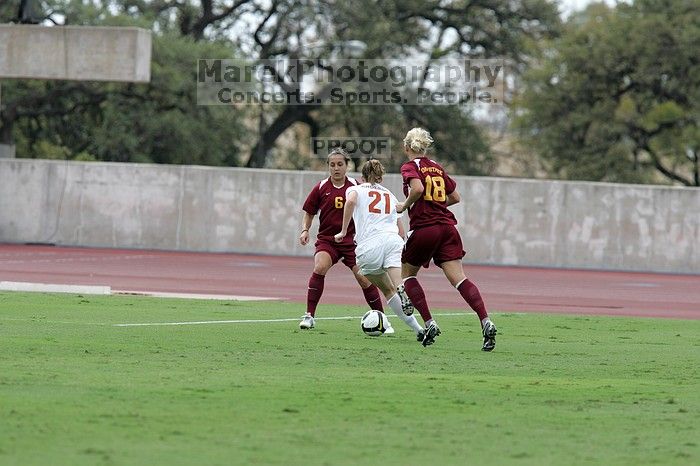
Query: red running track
x,y
505,289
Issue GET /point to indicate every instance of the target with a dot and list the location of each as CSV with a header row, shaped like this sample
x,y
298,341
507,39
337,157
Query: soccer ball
x,y
373,323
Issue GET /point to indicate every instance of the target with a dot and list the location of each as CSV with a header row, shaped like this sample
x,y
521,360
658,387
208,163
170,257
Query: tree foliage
x,y
399,29
617,97
161,122
155,122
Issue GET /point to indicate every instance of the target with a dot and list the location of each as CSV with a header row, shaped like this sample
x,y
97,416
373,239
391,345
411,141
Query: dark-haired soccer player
x,y
328,198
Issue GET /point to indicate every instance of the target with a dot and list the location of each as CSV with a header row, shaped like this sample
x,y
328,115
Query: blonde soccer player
x,y
429,192
378,237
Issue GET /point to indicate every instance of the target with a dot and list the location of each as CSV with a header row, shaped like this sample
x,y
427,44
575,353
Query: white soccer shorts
x,y
379,255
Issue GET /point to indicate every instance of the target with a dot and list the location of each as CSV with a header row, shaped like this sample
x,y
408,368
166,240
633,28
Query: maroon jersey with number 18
x,y
431,207
330,201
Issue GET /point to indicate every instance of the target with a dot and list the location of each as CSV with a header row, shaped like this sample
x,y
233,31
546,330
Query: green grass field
x,y
75,389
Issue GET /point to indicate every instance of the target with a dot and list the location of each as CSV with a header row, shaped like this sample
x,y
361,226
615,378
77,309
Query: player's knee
x,y
457,278
362,280
321,267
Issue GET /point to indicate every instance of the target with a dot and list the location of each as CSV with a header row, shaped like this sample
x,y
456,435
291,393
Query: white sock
x,y
395,304
484,320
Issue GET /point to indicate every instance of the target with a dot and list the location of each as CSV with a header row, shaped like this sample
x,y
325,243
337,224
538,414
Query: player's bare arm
x,y
305,225
350,203
417,189
453,198
402,230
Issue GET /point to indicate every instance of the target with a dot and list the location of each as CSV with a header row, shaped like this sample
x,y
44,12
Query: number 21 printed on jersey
x,y
377,197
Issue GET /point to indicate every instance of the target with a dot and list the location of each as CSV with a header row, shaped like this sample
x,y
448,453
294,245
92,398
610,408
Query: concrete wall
x,y
502,221
7,151
75,53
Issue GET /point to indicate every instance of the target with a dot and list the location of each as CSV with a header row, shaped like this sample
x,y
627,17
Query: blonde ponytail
x,y
418,140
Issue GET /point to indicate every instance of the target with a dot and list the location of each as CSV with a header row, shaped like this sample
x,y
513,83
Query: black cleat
x,y
430,334
489,333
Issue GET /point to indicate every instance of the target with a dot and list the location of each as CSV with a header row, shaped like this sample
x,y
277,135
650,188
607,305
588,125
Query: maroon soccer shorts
x,y
438,242
338,251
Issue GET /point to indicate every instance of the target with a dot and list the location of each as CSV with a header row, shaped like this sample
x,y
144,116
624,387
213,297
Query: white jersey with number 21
x,y
375,214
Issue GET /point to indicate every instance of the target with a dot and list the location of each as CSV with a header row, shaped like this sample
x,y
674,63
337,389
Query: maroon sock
x,y
313,296
471,295
417,297
374,300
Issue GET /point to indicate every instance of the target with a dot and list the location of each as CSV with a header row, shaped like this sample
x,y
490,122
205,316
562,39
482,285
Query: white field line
x,y
254,321
205,322
106,290
163,294
54,288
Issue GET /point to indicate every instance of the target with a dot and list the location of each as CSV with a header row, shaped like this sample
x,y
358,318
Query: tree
x,y
259,30
155,122
617,98
400,28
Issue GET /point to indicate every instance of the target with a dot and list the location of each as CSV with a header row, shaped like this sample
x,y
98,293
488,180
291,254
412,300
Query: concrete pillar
x,y
82,53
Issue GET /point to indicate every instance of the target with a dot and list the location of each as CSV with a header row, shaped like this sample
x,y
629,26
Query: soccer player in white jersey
x,y
379,237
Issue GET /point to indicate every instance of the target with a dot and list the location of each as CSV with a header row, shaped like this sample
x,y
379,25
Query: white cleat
x,y
307,322
406,304
389,329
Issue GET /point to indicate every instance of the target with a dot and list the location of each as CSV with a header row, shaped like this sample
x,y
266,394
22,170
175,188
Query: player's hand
x,y
399,207
304,238
339,237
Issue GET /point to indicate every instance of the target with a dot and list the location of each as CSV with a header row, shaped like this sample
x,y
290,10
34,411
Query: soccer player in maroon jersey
x,y
328,197
432,235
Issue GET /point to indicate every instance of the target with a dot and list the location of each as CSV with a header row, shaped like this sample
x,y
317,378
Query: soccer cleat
x,y
420,335
406,304
388,329
430,334
489,336
307,322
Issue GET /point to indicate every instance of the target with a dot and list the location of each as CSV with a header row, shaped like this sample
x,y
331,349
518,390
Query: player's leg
x,y
419,249
449,257
323,261
417,296
382,281
366,267
391,248
369,289
393,299
470,293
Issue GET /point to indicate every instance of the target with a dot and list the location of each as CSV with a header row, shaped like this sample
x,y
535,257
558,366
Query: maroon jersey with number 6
x,y
431,208
330,201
